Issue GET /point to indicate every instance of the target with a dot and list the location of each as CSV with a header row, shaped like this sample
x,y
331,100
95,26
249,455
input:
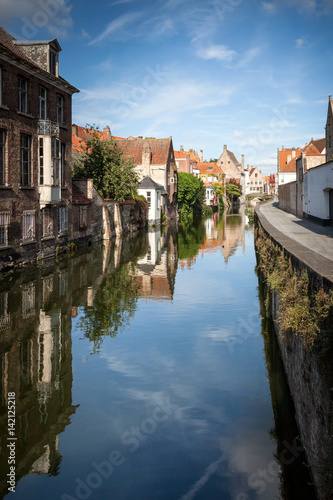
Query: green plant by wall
x,y
299,311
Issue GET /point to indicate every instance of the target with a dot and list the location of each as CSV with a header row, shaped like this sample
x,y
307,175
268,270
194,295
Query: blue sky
x,y
254,75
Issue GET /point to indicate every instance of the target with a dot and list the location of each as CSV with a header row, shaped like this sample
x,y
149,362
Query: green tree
x,y
220,191
233,190
103,161
191,195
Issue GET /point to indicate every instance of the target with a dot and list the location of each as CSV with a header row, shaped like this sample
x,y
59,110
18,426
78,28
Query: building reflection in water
x,y
156,270
36,364
222,233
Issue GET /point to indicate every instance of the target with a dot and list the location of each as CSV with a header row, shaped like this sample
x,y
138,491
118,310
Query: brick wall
x,y
287,197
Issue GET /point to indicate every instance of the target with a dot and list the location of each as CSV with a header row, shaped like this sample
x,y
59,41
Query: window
x,y
255,175
53,63
42,103
28,300
41,160
2,157
149,198
28,225
25,143
63,219
47,222
23,95
209,168
4,223
60,109
83,216
63,159
55,151
4,314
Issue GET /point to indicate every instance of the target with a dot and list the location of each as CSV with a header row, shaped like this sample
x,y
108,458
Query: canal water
x,y
142,370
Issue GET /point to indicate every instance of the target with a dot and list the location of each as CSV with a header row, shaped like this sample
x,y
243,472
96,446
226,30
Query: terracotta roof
x,y
160,149
290,167
213,168
78,197
283,156
319,144
183,154
82,134
311,150
7,41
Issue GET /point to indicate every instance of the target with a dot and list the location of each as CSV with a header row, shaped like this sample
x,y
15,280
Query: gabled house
x,y
187,161
234,171
35,150
155,158
256,181
210,173
152,192
286,164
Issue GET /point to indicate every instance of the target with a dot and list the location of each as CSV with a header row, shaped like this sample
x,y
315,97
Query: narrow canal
x,y
142,370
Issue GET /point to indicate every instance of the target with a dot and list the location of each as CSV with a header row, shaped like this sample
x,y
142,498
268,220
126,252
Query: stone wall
x,y
310,379
287,197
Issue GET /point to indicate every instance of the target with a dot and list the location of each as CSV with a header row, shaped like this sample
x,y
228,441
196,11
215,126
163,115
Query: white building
x,y
152,192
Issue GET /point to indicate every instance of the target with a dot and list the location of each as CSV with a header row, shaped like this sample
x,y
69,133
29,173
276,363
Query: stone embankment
x,y
309,250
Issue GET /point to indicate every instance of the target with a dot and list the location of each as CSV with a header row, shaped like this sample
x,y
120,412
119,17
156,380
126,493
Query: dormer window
x,y
53,62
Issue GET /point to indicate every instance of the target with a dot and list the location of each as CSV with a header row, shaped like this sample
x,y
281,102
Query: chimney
x,y
107,131
293,153
224,148
242,163
201,156
187,165
74,130
140,137
146,157
181,149
282,148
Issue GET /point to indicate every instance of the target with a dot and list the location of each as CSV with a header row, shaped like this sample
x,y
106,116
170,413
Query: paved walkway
x,y
311,243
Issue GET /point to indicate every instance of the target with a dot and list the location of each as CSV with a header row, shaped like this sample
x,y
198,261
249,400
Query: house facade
x,y
155,158
234,171
153,194
286,164
255,182
187,161
35,150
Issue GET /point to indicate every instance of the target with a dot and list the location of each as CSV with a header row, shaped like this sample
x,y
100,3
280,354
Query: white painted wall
x,y
316,185
154,211
285,177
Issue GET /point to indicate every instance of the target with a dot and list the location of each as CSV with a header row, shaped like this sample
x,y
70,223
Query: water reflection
x,y
212,438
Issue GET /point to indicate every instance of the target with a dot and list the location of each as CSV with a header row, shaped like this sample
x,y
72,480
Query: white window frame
x,y
60,109
55,153
4,223
149,198
47,222
25,160
63,219
28,225
23,94
3,138
42,103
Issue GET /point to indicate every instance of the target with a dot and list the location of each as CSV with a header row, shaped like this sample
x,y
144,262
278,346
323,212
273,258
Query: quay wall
x,y
309,375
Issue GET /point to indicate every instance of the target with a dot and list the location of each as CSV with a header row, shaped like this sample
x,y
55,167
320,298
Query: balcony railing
x,y
46,127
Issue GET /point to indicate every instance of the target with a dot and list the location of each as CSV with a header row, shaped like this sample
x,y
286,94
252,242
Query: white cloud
x,y
116,26
269,7
36,16
219,52
300,42
249,56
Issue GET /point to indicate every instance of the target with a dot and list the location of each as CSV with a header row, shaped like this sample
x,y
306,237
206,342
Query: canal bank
x,y
307,252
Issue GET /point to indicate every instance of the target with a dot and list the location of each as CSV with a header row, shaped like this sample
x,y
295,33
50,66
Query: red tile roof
x,y
311,150
319,144
82,134
160,149
183,154
283,157
6,40
290,167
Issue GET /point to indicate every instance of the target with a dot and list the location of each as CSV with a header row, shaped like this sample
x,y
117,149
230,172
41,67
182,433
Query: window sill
x,y
6,187
27,187
2,106
47,238
63,233
5,247
27,115
28,242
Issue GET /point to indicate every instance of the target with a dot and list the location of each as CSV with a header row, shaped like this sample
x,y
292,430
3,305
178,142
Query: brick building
x,y
35,150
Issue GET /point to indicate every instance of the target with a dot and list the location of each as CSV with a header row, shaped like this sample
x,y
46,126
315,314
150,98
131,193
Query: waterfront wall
x,y
309,375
